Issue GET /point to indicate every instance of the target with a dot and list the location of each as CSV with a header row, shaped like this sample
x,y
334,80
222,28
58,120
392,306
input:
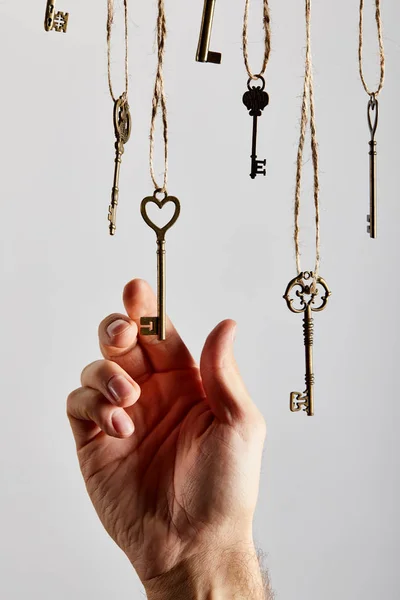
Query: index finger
x,y
168,355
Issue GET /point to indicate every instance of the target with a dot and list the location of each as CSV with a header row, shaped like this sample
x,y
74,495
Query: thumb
x,y
226,393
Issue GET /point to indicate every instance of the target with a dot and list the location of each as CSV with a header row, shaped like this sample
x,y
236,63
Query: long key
x,y
308,293
255,100
122,126
373,124
157,325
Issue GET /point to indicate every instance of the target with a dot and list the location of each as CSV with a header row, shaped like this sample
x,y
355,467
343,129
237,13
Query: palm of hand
x,y
171,481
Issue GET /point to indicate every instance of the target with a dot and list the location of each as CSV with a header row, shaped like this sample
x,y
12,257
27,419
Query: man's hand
x,y
171,455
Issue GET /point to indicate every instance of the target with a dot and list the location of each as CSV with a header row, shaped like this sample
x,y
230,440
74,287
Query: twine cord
x,y
159,99
110,22
308,113
267,29
378,19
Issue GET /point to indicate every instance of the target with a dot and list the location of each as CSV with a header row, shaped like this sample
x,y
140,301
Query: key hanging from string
x,y
122,116
307,292
157,325
256,98
372,114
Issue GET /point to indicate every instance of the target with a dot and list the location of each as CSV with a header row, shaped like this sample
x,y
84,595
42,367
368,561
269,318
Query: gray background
x,y
327,514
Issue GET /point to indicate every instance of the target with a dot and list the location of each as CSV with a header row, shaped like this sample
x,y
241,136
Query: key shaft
x,y
372,217
112,215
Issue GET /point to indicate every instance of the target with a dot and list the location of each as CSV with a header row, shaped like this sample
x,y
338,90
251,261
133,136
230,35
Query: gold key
x,y
122,126
204,54
55,21
157,325
306,295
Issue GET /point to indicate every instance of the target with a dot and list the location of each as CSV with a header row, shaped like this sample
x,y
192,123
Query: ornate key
x,y
122,126
255,100
307,295
55,21
157,325
373,124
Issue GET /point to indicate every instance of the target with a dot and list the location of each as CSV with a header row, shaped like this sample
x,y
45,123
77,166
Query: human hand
x,y
170,452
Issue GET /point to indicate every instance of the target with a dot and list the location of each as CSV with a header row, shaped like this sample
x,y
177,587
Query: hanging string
x,y
381,48
307,107
267,29
110,21
159,99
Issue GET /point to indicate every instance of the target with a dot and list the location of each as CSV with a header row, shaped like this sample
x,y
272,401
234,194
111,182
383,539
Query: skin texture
x,y
172,465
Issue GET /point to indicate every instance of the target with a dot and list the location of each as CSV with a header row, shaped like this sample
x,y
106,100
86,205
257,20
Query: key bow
x,y
308,287
256,99
160,231
122,120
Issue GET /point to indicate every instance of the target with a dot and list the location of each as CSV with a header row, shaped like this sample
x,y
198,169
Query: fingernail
x,y
122,423
120,388
117,327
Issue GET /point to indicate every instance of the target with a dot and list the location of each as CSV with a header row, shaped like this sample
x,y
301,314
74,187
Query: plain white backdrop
x,y
328,509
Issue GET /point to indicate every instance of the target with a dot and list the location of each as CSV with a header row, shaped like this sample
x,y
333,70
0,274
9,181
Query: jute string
x,y
110,21
378,19
307,108
267,29
159,99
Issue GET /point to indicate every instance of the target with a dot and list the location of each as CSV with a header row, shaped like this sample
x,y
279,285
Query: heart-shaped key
x,y
160,231
157,325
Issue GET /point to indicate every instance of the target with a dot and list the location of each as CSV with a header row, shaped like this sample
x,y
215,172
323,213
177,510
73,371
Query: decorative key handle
x,y
55,21
373,116
306,295
157,325
255,100
122,127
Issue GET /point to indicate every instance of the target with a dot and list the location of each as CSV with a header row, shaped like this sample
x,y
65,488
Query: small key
x,y
373,124
157,325
122,126
306,295
55,21
255,100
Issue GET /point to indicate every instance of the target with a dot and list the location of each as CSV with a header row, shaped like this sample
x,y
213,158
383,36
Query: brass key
x,y
373,124
122,126
307,293
157,325
204,54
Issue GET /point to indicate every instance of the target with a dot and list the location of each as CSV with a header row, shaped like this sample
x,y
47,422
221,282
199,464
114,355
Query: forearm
x,y
231,575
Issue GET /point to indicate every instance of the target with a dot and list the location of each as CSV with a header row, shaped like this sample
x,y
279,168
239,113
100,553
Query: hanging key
x,y
157,325
55,21
308,297
373,116
122,127
255,100
204,54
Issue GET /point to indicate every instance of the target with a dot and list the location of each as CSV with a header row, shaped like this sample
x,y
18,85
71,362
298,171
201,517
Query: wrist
x,y
231,573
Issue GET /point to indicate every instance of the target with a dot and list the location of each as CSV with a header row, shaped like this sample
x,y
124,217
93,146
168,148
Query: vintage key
x,y
307,294
157,325
255,100
122,126
55,21
373,124
204,54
